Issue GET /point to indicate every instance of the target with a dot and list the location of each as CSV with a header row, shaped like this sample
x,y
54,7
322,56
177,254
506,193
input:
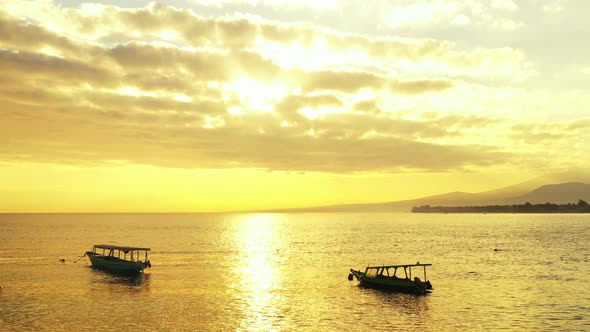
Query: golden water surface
x,y
288,272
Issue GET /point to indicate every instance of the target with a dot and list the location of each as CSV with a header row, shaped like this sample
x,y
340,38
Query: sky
x,y
205,106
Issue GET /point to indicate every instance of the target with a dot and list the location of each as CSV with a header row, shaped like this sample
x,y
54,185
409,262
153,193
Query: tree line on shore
x,y
580,207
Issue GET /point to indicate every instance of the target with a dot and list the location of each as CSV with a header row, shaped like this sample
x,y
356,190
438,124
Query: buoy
x,y
350,276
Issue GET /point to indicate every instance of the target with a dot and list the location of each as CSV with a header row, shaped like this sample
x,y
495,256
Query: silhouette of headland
x,y
580,207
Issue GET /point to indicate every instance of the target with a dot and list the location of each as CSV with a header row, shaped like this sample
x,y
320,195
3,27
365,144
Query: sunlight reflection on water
x,y
258,272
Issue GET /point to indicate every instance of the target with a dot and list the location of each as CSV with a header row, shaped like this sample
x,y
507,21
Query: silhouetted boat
x,y
110,259
385,277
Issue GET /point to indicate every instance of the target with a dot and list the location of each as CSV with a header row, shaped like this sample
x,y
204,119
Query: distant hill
x,y
396,206
562,193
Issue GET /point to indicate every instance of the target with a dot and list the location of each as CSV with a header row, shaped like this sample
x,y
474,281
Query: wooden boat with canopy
x,y
391,277
119,259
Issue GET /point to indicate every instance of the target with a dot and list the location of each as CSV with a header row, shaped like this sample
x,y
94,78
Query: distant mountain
x,y
508,194
396,206
562,193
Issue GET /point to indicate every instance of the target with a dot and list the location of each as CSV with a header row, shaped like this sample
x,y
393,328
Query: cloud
x,y
288,45
366,106
554,7
15,63
420,13
164,86
461,19
508,5
342,81
580,124
507,24
275,4
550,133
85,137
421,86
293,103
27,36
432,14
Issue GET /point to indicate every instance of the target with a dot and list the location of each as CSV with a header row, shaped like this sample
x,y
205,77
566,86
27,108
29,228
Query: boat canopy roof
x,y
122,248
397,266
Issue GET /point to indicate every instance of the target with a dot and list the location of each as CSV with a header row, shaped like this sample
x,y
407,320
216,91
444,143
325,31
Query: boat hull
x,y
391,284
114,264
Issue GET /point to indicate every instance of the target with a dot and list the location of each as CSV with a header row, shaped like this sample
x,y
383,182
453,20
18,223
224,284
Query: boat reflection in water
x,y
137,280
119,282
404,303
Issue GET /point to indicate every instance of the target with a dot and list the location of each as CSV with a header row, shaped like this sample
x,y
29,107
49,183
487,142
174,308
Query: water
x,y
284,272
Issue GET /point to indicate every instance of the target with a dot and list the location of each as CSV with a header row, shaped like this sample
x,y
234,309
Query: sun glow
x,y
92,8
168,35
235,110
314,113
212,122
135,92
254,95
51,52
315,56
182,98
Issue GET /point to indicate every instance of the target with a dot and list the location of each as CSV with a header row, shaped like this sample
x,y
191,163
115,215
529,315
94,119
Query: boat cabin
x,y
391,271
132,254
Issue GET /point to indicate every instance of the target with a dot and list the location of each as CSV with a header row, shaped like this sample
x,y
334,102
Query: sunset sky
x,y
203,105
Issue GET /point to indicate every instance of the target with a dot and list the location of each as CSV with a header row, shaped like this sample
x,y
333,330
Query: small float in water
x,y
119,259
390,277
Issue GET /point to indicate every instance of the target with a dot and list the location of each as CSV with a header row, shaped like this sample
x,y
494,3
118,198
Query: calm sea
x,y
287,272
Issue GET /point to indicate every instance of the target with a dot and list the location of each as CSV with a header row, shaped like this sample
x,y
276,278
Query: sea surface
x,y
288,272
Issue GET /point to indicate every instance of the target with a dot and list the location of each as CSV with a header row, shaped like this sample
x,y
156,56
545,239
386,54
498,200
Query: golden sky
x,y
202,105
